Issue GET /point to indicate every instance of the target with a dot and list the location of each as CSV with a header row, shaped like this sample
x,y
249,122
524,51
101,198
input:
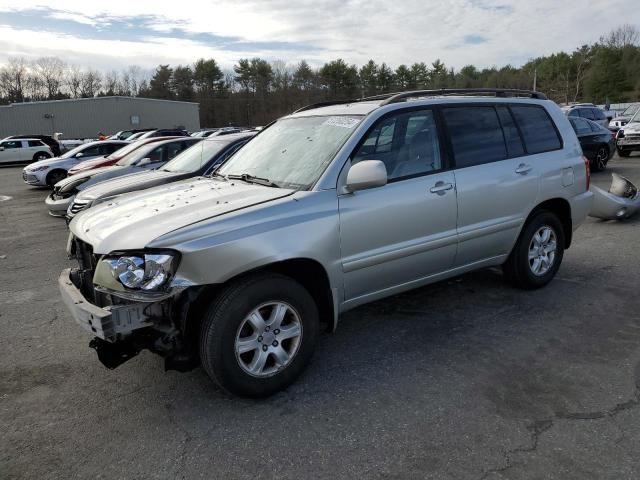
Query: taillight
x,y
587,171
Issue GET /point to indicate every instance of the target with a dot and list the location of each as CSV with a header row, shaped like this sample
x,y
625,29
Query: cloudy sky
x,y
112,34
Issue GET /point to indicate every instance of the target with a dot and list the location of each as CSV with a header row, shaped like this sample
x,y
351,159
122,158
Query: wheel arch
x,y
562,209
308,272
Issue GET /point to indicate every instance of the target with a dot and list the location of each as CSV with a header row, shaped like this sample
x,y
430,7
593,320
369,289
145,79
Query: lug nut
x,y
260,338
267,328
275,343
276,331
264,348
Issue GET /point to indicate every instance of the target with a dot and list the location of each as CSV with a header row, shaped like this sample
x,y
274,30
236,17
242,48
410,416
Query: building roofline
x,y
97,98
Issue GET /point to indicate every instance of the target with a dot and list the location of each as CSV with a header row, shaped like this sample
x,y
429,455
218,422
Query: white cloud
x,y
356,30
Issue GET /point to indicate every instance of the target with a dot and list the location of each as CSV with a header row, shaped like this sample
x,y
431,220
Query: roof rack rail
x,y
396,97
323,104
498,92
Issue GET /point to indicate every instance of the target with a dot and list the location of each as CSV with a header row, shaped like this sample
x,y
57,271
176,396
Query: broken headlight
x,y
149,272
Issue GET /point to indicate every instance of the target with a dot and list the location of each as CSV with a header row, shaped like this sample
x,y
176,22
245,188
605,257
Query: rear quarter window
x,y
538,130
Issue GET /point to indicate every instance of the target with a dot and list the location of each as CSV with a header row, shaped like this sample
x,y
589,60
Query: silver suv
x,y
331,207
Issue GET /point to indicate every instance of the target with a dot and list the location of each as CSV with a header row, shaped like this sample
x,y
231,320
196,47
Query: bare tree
x,y
90,83
626,35
111,83
35,87
50,71
13,79
73,80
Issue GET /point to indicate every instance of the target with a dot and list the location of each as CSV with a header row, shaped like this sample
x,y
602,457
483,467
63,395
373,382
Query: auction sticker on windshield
x,y
344,122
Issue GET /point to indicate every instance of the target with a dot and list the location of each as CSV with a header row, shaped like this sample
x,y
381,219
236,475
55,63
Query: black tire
x,y
601,159
623,153
518,269
55,176
222,323
40,156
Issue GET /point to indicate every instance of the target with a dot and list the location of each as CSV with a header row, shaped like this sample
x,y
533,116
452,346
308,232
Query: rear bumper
x,y
580,208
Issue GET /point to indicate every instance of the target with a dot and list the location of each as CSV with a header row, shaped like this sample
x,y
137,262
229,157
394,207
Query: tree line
x,y
257,91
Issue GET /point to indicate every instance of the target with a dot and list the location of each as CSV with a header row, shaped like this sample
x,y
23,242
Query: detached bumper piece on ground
x,y
620,202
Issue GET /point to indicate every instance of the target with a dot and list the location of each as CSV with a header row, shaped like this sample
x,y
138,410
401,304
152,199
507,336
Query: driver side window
x,y
407,143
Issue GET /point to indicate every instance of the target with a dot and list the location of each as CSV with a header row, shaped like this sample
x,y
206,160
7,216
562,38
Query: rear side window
x,y
586,113
35,143
598,114
476,135
537,128
580,126
511,135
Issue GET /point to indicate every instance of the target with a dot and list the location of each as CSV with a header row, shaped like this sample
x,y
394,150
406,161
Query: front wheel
x,y
55,176
259,334
537,255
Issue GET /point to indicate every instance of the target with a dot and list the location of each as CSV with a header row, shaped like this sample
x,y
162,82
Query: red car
x,y
114,157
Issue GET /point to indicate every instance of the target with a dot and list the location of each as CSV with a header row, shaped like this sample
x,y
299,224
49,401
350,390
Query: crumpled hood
x,y
127,183
133,221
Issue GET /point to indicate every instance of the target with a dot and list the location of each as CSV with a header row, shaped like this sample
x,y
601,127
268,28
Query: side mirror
x,y
366,174
79,155
144,161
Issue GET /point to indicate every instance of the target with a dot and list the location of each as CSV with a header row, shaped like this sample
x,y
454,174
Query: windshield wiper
x,y
215,173
245,177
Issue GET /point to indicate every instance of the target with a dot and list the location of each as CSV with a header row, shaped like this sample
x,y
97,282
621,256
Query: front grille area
x,y
87,262
76,207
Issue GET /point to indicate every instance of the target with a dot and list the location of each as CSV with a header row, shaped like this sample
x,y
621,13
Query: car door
x,y
394,236
11,151
497,185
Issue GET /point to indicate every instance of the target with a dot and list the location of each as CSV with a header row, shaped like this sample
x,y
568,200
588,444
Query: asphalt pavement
x,y
465,379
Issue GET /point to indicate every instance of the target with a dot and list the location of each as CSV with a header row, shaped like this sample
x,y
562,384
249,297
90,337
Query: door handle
x,y
441,187
523,169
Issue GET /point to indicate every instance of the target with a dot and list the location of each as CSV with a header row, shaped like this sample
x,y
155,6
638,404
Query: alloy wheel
x,y
542,250
268,339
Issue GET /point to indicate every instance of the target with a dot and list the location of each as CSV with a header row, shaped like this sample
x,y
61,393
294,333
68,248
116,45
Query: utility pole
x,y
535,78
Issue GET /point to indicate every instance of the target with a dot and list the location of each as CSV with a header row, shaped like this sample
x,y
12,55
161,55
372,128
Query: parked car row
x,y
233,253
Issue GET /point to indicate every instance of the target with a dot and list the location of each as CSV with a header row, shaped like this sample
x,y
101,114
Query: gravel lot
x,y
467,379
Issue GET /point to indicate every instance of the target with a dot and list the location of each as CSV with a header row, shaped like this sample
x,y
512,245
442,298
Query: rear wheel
x,y
538,253
601,159
41,156
623,153
258,335
55,176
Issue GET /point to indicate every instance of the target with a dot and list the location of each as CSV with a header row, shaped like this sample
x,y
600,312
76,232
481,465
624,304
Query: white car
x,y
50,171
23,150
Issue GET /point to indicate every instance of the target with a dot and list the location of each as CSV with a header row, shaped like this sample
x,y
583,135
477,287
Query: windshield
x,y
73,151
124,151
194,157
293,152
635,118
139,153
631,110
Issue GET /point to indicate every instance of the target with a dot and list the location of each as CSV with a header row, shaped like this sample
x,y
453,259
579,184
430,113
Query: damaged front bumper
x,y
124,330
109,323
620,202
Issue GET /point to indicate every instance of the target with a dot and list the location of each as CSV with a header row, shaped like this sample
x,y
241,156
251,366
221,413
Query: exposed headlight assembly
x,y
143,276
149,273
38,169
